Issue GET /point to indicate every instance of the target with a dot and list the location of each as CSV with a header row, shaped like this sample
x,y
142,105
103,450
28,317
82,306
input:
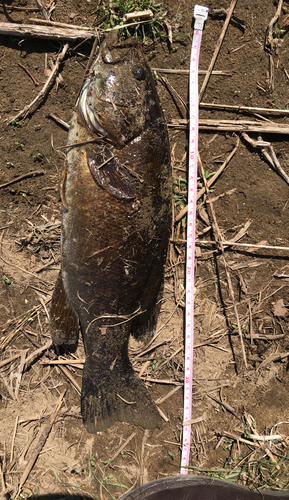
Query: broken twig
x,y
217,49
271,44
41,442
42,9
25,30
247,245
270,156
230,288
43,91
59,25
21,177
144,14
234,126
29,74
210,181
187,71
59,120
247,109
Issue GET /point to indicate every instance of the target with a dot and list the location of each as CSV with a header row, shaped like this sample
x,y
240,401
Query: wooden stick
x,y
44,90
164,417
249,109
193,421
38,351
52,31
58,120
251,422
24,30
3,483
209,181
217,49
269,44
234,126
161,381
272,23
225,405
72,380
237,438
187,71
230,288
59,25
168,360
41,442
13,7
51,356
166,83
271,158
168,395
4,342
42,10
21,177
29,74
9,360
13,438
122,447
277,165
264,439
240,233
141,15
259,143
20,373
63,362
247,245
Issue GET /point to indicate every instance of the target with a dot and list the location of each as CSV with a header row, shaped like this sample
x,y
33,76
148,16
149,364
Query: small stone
x,y
43,254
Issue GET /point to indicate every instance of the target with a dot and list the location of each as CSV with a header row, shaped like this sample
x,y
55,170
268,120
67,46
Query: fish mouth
x,y
109,102
90,118
88,115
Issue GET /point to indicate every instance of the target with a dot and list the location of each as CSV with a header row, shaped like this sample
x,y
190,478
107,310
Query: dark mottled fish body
x,y
116,226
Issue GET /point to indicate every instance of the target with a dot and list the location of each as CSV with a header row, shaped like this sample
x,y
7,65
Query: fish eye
x,y
139,73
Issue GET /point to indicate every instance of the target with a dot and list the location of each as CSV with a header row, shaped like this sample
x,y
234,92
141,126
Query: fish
x,y
116,225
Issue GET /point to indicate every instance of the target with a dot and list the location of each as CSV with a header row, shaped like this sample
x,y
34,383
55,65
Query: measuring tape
x,y
200,15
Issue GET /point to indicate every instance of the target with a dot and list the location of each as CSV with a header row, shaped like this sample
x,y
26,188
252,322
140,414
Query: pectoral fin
x,y
110,175
64,326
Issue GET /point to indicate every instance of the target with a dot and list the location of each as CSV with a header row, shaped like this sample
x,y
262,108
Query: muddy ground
x,y
225,391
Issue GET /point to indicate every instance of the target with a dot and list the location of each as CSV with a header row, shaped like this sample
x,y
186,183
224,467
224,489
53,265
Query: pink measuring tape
x,y
200,15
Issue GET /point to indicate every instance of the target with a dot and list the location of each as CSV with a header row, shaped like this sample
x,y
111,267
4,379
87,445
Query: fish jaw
x,y
90,117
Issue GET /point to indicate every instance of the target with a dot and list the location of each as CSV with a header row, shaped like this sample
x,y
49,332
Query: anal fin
x,y
64,325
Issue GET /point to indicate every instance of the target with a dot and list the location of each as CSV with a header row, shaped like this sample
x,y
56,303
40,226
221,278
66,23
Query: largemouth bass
x,y
116,225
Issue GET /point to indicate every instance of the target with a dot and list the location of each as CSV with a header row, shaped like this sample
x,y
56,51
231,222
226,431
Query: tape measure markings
x,y
200,15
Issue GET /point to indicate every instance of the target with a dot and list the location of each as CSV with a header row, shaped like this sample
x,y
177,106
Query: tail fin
x,y
117,396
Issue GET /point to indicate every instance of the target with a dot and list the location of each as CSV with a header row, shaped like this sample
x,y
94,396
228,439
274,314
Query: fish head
x,y
117,98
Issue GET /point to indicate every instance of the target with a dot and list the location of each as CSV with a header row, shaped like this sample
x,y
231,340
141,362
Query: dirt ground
x,y
249,194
